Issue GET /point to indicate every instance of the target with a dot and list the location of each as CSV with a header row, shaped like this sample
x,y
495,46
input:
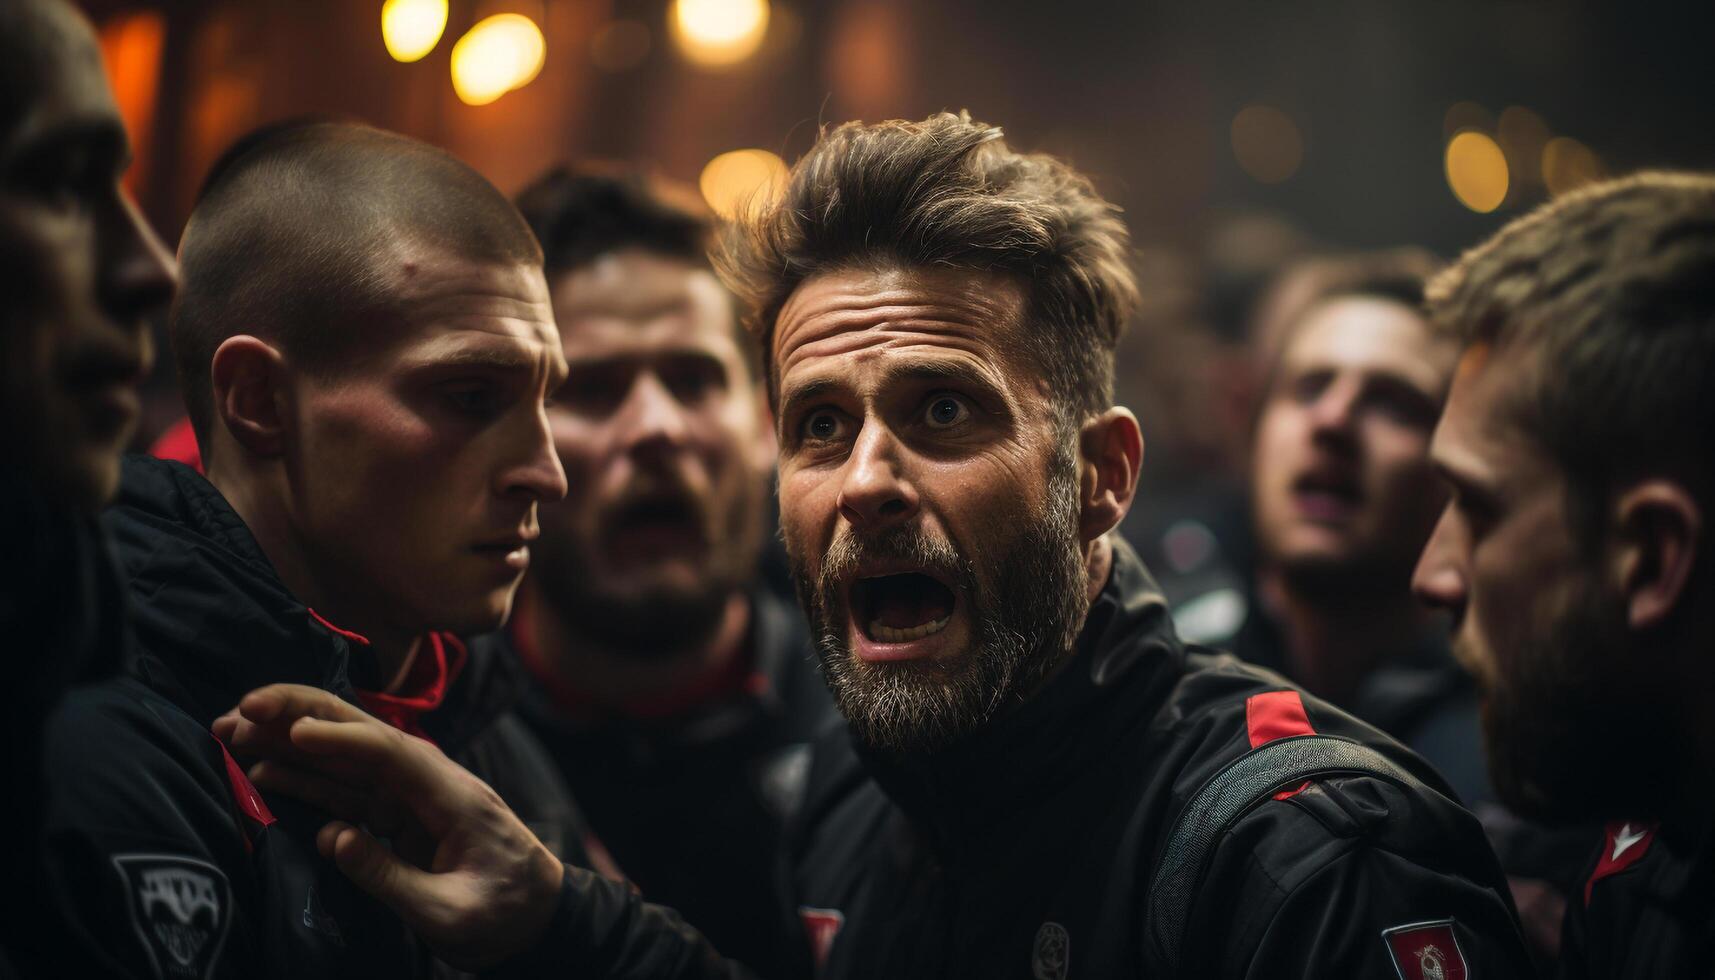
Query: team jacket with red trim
x,y
1027,850
181,869
1647,909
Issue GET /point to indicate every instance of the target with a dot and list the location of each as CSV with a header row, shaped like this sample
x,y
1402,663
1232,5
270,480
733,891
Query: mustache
x,y
905,545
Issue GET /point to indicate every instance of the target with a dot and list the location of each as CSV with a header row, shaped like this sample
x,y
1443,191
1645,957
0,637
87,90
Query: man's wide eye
x,y
945,411
822,426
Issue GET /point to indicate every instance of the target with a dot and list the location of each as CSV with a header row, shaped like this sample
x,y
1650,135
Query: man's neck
x,y
1333,639
392,647
615,679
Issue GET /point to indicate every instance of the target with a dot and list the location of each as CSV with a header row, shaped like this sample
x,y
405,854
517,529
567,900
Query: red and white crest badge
x,y
821,925
1426,951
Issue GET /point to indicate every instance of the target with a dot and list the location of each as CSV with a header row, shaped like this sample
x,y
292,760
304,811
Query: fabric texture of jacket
x,y
689,794
1026,850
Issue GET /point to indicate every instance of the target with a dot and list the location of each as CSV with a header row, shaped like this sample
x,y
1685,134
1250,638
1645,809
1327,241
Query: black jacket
x,y
147,803
1026,850
690,797
1647,908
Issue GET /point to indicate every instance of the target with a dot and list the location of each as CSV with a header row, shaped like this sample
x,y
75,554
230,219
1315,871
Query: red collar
x,y
439,660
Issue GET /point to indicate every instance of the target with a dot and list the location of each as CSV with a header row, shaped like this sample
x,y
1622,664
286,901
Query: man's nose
x,y
138,275
875,493
535,474
1439,580
1333,412
652,420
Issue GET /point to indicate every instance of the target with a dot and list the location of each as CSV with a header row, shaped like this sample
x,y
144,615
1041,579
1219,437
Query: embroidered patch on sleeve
x,y
180,908
1426,951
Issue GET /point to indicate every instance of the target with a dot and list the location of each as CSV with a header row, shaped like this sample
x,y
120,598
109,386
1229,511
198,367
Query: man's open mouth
x,y
901,607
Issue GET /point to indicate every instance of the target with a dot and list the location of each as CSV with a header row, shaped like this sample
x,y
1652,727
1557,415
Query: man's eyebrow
x,y
808,391
951,372
481,358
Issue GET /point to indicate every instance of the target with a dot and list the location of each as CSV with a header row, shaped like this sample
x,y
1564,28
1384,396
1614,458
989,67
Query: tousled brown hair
x,y
948,192
1614,285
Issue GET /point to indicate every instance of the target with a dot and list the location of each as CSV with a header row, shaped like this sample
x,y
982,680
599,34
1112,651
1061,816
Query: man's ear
x,y
248,376
1660,526
1110,454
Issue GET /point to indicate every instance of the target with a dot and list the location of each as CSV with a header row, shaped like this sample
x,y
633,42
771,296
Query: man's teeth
x,y
888,634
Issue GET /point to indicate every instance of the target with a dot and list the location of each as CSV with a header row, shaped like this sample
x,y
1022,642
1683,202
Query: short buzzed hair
x,y
1615,286
948,192
289,239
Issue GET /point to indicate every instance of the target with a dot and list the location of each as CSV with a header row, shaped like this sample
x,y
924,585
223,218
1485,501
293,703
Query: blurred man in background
x,y
1574,554
1343,498
83,274
677,695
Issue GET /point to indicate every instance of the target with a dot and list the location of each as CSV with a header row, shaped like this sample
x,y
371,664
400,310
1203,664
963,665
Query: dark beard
x,y
654,623
1026,603
1574,734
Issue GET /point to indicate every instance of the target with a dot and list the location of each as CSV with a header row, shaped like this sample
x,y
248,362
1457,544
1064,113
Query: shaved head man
x,y
364,341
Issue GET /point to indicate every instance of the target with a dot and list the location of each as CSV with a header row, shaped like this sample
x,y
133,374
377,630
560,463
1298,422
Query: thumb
x,y
373,867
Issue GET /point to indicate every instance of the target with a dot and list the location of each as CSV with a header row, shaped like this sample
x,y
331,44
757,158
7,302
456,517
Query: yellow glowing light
x,y
740,179
719,32
1266,143
412,28
499,54
1567,165
1476,171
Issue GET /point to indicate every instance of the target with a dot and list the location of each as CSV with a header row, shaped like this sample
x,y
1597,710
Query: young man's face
x,y
928,503
85,271
1534,622
1341,478
420,464
664,437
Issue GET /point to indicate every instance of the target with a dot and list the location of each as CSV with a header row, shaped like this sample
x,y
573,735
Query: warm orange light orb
x,y
716,33
1476,170
499,54
412,28
740,179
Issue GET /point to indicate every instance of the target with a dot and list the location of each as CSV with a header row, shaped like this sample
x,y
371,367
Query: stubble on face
x,y
1026,597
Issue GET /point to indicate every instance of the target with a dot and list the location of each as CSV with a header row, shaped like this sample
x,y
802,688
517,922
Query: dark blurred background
x,y
1237,136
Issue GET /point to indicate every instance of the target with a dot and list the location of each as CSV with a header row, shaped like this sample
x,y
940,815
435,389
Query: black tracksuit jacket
x,y
1027,849
1647,905
184,870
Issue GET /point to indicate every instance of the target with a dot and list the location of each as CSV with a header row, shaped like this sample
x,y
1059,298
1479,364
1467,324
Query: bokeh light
x,y
1476,170
715,33
499,54
1568,164
1266,143
742,179
412,28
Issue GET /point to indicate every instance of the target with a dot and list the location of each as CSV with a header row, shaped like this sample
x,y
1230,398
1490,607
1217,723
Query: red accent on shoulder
x,y
1276,714
1624,844
348,634
425,686
822,926
1426,951
179,444
244,795
1287,794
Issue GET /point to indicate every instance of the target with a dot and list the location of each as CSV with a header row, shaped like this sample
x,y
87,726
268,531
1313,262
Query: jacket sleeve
x,y
603,929
142,853
1355,877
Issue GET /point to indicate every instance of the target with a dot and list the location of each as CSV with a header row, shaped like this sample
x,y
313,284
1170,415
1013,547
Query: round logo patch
x,y
1051,955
